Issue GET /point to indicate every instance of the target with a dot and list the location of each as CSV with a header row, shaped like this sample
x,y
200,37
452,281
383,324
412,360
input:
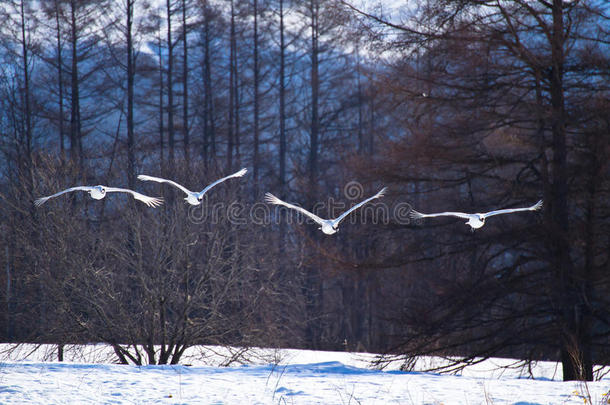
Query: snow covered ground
x,y
272,377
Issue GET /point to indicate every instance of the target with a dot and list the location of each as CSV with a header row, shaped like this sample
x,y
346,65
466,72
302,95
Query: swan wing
x,y
150,201
145,177
39,201
416,215
271,199
534,207
237,174
360,204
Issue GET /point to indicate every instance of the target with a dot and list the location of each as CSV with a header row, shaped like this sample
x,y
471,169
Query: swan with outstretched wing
x,y
99,192
328,226
192,197
477,220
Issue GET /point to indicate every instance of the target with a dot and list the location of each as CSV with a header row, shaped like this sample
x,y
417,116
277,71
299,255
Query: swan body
x,y
476,220
193,198
327,226
99,192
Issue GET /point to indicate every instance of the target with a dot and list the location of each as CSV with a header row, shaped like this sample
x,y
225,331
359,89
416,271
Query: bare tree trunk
x,y
209,130
282,90
315,88
9,319
232,91
313,282
131,169
26,161
60,85
236,121
205,145
26,84
255,157
185,94
170,91
76,148
575,354
360,103
161,110
372,123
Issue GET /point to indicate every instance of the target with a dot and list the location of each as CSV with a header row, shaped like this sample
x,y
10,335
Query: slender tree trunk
x,y
60,85
313,286
236,121
588,290
360,103
131,169
29,186
209,128
255,158
282,117
315,86
206,131
185,94
575,353
163,324
170,91
9,262
232,92
371,126
75,124
161,111
26,83
282,90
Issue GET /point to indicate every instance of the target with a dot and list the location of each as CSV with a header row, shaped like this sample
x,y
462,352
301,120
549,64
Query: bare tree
x,y
504,114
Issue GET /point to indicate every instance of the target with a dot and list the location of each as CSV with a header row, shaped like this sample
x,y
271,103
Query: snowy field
x,y
266,376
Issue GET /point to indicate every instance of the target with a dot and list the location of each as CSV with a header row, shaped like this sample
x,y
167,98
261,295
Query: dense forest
x,y
454,105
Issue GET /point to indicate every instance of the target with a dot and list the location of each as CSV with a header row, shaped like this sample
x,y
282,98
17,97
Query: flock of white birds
x,y
328,226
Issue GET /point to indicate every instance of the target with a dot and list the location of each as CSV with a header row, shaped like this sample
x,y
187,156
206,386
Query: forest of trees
x,y
454,105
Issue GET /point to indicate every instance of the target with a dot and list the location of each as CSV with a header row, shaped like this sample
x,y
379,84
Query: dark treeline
x,y
459,105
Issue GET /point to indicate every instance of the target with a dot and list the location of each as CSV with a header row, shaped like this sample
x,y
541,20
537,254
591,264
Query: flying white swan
x,y
476,220
99,192
328,226
192,198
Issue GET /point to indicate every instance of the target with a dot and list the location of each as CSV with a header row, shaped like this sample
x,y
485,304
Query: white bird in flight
x,y
192,197
328,226
476,220
99,192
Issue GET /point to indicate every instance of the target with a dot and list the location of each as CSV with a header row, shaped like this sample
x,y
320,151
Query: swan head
x,y
193,199
97,192
328,228
476,221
